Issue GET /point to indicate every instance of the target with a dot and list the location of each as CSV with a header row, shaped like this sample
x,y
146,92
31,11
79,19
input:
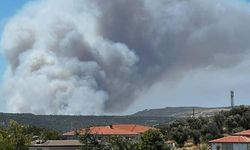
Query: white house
x,y
231,143
55,145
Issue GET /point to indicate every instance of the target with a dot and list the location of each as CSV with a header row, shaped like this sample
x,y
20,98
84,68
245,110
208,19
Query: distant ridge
x,y
146,117
69,122
180,112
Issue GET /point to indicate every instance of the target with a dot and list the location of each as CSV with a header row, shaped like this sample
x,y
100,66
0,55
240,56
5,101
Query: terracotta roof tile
x,y
243,133
232,139
107,130
132,127
117,129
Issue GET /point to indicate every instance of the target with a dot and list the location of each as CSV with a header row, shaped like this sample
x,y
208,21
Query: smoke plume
x,y
93,57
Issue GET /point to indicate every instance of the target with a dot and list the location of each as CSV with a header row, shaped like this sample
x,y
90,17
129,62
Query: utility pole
x,y
193,111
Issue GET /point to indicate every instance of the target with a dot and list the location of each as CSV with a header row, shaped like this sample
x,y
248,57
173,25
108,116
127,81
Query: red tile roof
x,y
107,130
243,133
117,129
232,139
132,127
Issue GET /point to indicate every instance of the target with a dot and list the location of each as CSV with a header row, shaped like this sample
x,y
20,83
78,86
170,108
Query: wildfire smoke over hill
x,y
92,57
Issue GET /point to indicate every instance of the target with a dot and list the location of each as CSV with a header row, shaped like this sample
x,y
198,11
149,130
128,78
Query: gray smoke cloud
x,y
94,57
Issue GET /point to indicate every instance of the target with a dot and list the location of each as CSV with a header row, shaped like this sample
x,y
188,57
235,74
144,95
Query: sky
x,y
8,8
186,77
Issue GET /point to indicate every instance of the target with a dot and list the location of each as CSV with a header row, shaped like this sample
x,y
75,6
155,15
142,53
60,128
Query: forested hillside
x,y
66,122
203,129
146,117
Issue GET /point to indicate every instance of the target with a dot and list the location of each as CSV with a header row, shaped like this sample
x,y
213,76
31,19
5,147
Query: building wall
x,y
54,148
240,147
70,137
230,146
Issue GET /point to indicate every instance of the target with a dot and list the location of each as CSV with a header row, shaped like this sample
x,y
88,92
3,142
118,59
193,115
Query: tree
x,y
152,140
164,129
122,143
43,133
246,117
13,137
194,123
5,140
17,135
219,119
210,131
180,134
196,137
90,141
233,121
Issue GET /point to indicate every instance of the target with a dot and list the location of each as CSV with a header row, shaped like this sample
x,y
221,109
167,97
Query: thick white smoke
x,y
90,57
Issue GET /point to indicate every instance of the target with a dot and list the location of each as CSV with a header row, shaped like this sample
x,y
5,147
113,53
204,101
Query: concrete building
x,y
55,145
231,143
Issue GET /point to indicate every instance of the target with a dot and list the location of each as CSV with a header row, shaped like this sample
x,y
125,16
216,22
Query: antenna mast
x,y
232,99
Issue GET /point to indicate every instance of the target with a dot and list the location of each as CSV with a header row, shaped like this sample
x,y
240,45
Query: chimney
x,y
111,126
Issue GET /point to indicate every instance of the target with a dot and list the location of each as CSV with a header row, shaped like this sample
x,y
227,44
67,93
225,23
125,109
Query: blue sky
x,y
8,8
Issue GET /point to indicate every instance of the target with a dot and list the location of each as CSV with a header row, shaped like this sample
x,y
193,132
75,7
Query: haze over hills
x,y
180,112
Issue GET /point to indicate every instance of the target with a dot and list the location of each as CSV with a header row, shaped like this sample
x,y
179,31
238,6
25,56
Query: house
x,y
128,130
55,145
231,143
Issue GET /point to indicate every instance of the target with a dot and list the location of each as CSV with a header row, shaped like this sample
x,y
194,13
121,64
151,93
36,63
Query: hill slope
x,y
145,117
180,112
66,122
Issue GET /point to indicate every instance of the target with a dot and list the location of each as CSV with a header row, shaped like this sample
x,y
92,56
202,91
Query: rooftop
x,y
117,129
107,130
243,133
232,139
132,127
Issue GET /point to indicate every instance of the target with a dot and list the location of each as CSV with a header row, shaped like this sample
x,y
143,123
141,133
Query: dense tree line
x,y
203,129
